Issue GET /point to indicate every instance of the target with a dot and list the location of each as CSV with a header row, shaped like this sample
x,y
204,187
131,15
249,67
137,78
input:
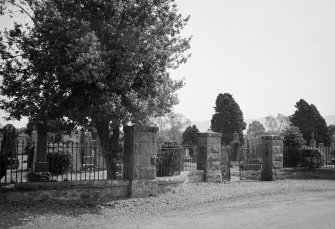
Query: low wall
x,y
175,183
302,173
70,190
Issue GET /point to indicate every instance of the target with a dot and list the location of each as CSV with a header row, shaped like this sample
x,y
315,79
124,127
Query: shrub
x,y
59,162
311,158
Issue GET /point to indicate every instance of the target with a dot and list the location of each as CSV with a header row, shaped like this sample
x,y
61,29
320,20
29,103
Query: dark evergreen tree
x,y
331,132
228,118
190,135
308,119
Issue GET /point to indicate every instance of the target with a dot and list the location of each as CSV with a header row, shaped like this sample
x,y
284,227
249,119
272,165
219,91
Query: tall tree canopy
x,y
190,135
275,125
99,61
170,126
228,118
308,119
255,129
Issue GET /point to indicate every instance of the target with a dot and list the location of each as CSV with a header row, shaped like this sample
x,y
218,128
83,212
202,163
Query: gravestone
x,y
312,142
88,156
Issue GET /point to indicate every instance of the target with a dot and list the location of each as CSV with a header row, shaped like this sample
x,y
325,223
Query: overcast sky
x,y
268,54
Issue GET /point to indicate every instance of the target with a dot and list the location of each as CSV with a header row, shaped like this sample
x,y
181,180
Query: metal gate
x,y
251,166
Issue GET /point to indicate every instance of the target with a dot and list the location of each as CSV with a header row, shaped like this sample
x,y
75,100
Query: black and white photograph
x,y
167,114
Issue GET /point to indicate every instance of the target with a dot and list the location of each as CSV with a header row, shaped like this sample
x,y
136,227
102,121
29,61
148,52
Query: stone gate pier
x,y
140,149
209,155
272,157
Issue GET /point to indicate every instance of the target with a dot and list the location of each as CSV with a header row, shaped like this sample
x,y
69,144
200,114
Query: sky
x,y
268,54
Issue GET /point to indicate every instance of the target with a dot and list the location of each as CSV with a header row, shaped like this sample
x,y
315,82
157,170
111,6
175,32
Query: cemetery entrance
x,y
251,165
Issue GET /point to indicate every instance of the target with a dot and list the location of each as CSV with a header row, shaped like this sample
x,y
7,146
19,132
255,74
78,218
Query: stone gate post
x,y
140,150
209,153
272,156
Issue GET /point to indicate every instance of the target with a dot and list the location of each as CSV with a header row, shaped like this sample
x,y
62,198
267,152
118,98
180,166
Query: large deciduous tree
x,y
255,129
275,125
228,118
308,119
103,62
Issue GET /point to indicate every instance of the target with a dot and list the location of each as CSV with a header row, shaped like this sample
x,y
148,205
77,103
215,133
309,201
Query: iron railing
x,y
172,159
309,157
66,162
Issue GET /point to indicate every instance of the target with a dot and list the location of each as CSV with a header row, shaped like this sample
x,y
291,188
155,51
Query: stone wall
x,y
67,190
175,183
74,190
302,173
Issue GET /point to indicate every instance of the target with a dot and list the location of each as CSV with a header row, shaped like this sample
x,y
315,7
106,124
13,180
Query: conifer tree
x,y
308,119
190,135
228,118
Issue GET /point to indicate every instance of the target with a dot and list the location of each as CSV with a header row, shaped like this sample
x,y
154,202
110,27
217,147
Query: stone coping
x,y
178,179
68,185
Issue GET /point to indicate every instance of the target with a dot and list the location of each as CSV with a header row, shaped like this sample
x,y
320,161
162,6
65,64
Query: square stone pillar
x,y
209,154
272,156
140,150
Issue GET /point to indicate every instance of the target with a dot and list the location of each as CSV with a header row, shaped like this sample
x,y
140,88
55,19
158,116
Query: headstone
x,y
88,156
41,164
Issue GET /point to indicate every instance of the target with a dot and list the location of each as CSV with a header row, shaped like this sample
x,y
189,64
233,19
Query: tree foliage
x,y
190,135
308,119
293,137
275,125
93,61
255,129
331,132
170,126
228,118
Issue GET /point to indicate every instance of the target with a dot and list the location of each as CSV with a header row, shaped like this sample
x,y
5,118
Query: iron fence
x,y
172,159
66,162
309,157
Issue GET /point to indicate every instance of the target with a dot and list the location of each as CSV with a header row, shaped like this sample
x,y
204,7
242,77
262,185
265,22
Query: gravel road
x,y
192,197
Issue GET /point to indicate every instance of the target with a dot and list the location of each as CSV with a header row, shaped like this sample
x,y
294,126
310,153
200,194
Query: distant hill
x,y
205,125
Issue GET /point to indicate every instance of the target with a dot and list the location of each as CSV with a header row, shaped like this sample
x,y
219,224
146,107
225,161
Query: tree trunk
x,y
109,144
